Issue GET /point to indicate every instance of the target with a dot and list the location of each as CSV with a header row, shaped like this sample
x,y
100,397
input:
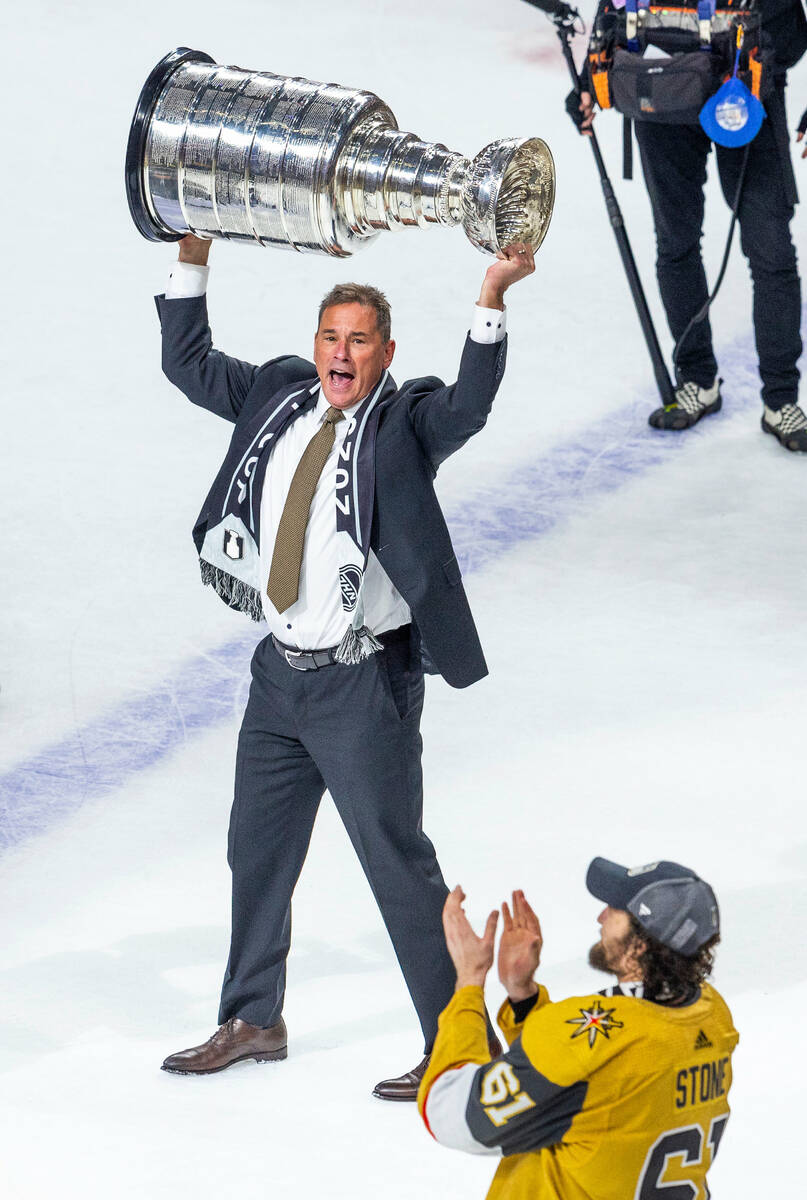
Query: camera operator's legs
x,y
764,216
674,166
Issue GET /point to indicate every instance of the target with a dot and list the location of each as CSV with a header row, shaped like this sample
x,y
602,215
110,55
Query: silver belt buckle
x,y
291,655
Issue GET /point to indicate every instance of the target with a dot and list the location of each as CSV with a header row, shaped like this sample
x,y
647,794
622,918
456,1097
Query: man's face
x,y
615,952
349,353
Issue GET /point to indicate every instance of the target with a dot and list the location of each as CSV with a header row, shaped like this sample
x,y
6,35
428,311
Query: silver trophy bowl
x,y
250,156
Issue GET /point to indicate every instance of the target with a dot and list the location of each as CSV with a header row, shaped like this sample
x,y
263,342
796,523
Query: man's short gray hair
x,y
364,294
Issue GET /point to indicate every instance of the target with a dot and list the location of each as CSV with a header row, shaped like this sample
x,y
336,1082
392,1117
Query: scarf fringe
x,y
232,591
356,645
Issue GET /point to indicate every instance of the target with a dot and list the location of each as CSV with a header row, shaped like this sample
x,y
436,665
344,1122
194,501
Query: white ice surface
x,y
647,651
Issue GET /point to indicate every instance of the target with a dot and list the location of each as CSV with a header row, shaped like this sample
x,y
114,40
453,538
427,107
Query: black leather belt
x,y
305,660
312,660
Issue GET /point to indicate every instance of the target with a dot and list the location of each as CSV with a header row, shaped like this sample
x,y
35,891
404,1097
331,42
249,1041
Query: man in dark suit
x,y
323,520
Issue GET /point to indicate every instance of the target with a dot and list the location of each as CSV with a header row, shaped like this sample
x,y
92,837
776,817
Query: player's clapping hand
x,y
519,949
472,956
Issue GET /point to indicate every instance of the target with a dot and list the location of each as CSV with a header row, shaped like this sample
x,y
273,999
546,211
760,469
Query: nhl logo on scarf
x,y
233,544
350,578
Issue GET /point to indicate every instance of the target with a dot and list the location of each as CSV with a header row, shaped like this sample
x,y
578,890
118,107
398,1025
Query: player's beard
x,y
609,960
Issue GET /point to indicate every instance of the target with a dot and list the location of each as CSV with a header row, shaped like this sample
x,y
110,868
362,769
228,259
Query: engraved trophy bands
x,y
247,155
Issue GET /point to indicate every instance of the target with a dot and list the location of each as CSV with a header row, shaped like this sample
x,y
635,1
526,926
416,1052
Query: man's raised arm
x,y
213,380
444,418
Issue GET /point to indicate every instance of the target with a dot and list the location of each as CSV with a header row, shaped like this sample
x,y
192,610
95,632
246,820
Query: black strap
x,y
627,148
304,660
707,304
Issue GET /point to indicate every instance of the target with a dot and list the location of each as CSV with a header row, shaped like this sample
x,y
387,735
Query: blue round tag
x,y
733,116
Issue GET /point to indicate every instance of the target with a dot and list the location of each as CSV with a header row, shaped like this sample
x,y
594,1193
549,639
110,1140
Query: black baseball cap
x,y
670,902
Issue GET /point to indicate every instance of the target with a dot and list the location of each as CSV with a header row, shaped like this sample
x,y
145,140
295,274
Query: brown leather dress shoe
x,y
232,1042
405,1087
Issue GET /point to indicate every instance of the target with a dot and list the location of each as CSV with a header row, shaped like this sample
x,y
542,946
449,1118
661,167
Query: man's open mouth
x,y
341,378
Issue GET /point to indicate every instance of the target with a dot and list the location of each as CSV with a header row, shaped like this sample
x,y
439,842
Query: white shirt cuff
x,y
186,280
488,324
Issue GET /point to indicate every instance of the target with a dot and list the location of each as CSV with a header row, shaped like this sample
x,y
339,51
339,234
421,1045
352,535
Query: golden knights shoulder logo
x,y
594,1020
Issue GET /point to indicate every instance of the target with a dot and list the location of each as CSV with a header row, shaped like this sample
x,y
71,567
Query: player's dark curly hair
x,y
666,974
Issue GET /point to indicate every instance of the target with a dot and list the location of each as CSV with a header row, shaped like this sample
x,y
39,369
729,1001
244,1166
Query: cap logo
x,y
644,911
645,870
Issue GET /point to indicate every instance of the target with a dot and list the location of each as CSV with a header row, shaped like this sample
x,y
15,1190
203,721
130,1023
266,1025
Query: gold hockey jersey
x,y
600,1097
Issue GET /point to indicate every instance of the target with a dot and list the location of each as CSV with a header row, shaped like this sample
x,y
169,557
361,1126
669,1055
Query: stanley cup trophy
x,y
246,155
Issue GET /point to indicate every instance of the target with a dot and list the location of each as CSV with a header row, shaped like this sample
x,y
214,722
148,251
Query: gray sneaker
x,y
691,403
788,425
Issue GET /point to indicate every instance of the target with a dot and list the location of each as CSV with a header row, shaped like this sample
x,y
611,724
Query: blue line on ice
x,y
103,754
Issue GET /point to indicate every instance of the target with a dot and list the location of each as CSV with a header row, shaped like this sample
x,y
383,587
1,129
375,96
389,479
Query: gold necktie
x,y
287,556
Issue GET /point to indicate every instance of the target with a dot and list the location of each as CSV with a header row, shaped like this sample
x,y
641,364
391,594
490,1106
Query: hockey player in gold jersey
x,y
617,1095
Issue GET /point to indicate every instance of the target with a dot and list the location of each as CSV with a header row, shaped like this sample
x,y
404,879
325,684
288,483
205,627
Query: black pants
x,y
355,730
674,165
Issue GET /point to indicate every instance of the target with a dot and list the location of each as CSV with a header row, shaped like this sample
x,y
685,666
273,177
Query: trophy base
x,y
142,214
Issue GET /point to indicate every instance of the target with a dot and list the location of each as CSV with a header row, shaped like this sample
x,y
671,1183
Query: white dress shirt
x,y
317,619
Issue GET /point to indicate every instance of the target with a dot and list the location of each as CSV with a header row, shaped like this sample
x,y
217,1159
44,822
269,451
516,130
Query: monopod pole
x,y
564,18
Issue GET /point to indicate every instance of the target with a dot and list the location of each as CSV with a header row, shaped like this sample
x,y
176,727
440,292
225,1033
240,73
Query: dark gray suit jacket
x,y
420,424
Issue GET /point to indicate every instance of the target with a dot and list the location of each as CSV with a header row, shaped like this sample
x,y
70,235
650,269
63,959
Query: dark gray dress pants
x,y
674,165
355,731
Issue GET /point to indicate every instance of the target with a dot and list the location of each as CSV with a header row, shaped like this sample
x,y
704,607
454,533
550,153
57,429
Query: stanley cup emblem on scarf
x,y
250,156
